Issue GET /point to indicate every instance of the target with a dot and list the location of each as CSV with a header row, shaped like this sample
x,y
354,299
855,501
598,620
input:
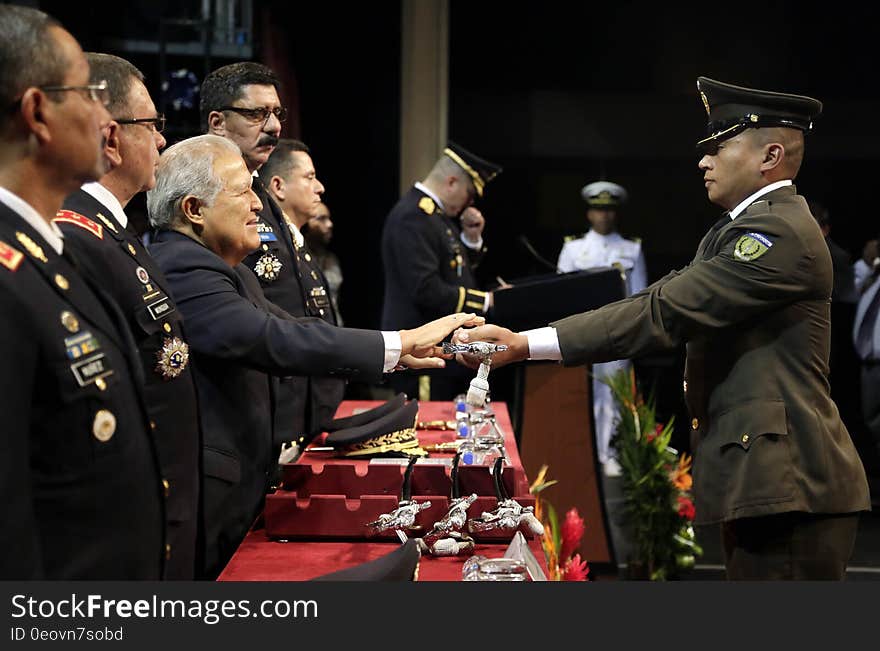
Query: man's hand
x,y
408,361
517,345
422,341
472,224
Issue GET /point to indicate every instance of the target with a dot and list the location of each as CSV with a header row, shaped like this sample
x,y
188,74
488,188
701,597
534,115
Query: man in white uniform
x,y
603,246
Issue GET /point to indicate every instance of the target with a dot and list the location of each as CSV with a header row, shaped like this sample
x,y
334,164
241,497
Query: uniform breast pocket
x,y
155,312
84,429
750,451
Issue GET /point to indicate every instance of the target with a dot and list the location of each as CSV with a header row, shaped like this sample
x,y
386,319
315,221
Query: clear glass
x,y
480,568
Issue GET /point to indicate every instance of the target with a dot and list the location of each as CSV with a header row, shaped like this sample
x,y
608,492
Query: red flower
x,y
657,430
575,569
686,508
572,531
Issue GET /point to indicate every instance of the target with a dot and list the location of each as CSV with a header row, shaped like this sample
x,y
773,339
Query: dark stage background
x,y
560,94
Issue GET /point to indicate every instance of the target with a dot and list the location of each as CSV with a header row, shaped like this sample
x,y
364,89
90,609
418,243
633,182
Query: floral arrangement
x,y
656,482
560,542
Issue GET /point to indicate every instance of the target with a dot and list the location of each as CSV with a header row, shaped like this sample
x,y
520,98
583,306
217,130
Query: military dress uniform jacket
x,y
428,271
237,338
79,478
290,278
753,307
595,250
114,257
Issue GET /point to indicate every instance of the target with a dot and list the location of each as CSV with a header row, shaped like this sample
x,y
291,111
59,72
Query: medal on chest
x,y
268,267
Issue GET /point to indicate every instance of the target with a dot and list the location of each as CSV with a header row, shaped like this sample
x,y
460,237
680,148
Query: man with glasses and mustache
x,y
101,235
81,489
240,102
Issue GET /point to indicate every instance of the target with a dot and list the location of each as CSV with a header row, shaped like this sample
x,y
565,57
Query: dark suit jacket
x,y
305,405
74,507
428,271
114,257
238,339
768,437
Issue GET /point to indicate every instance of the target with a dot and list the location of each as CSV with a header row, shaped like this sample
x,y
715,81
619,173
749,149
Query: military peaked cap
x,y
400,565
393,434
732,109
368,416
603,194
481,171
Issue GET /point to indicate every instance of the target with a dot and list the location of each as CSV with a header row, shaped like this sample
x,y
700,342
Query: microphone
x,y
537,256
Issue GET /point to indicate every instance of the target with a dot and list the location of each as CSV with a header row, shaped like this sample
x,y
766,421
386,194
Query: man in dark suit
x,y
429,259
207,217
79,481
774,463
98,231
240,102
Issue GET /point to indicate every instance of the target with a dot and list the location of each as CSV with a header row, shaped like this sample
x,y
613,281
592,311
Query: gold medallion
x,y
104,425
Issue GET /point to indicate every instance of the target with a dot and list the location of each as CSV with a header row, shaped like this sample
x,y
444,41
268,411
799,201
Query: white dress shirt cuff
x,y
475,246
543,344
393,347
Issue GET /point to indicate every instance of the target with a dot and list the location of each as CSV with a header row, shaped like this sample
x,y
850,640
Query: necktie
x,y
865,335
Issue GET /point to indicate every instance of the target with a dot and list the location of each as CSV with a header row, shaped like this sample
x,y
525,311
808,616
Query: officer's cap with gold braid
x,y
393,435
481,171
603,194
732,109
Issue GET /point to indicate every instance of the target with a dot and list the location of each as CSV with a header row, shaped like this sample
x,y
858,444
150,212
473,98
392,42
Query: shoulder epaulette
x,y
10,257
569,238
70,217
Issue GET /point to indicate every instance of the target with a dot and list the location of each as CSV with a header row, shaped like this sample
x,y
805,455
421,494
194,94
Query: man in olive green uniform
x,y
774,463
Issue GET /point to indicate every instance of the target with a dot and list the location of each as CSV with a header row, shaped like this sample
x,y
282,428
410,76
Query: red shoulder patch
x,y
70,217
9,257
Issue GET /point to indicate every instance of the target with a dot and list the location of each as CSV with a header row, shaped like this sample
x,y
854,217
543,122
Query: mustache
x,y
267,139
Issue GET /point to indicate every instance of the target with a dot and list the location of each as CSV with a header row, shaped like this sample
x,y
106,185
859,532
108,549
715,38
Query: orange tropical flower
x,y
681,477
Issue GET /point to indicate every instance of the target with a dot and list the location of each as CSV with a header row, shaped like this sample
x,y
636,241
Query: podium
x,y
555,409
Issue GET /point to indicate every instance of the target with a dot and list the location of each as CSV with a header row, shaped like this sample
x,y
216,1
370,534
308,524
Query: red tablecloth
x,y
261,559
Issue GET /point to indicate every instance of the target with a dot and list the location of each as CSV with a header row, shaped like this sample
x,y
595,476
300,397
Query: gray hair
x,y
186,168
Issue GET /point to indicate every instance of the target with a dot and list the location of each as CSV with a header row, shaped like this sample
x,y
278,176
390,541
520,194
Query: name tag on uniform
x,y
268,237
87,371
81,344
160,308
318,297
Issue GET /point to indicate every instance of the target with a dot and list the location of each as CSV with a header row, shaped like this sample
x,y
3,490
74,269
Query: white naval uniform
x,y
594,250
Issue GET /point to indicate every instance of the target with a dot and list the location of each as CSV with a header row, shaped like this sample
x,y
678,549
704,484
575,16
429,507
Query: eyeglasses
x,y
258,115
99,92
157,123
